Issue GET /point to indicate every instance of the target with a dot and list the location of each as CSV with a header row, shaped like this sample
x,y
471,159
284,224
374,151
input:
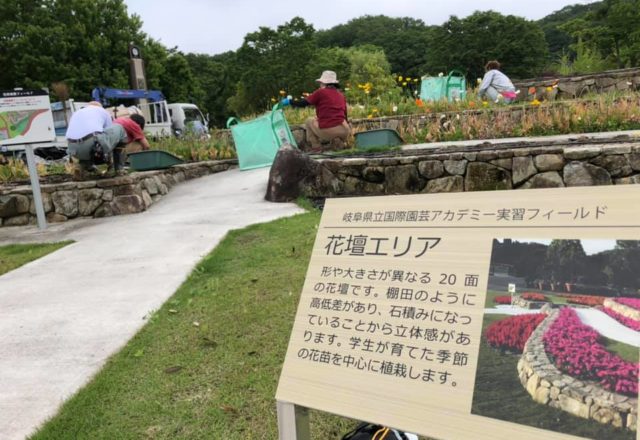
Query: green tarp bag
x,y
450,87
257,141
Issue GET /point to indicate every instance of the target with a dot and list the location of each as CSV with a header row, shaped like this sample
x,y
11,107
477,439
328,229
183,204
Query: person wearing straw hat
x,y
331,124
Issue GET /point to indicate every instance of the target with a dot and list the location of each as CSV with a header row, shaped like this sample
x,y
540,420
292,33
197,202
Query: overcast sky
x,y
590,246
216,26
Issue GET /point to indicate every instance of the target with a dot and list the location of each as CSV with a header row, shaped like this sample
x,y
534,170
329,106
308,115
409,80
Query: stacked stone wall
x,y
549,386
479,169
99,198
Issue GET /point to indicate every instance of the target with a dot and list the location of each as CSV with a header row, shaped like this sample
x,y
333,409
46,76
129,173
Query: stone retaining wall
x,y
548,386
100,198
626,311
519,301
576,86
478,168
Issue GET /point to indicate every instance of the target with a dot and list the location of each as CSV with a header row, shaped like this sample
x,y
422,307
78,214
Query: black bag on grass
x,y
370,431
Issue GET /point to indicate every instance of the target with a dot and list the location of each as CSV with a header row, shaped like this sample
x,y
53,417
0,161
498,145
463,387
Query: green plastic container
x,y
451,87
152,160
383,137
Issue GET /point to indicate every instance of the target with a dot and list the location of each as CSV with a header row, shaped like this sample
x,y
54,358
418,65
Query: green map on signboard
x,y
17,123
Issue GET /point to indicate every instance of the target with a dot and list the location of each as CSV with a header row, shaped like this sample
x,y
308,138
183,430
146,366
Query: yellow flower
x,y
282,93
415,80
399,78
407,79
535,102
549,89
273,99
370,116
404,84
367,91
485,103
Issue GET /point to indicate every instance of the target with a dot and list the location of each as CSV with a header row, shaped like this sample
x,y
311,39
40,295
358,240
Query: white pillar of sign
x,y
35,186
293,422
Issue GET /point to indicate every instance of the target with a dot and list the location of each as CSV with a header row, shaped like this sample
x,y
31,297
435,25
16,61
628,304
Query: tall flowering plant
x,y
576,350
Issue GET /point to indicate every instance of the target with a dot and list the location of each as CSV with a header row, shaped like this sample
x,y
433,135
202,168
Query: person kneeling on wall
x,y
331,124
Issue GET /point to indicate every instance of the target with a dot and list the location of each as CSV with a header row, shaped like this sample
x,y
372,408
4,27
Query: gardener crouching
x,y
331,125
496,86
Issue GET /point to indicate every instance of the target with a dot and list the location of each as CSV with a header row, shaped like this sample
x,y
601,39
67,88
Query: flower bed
x,y
627,322
530,296
505,299
510,334
634,303
585,300
574,348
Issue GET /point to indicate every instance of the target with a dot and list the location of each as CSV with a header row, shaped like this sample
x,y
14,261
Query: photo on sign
x,y
561,353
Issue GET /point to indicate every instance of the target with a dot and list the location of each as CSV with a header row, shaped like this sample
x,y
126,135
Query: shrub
x,y
627,322
575,349
510,334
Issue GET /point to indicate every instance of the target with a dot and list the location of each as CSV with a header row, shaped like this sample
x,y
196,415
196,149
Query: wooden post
x,y
293,422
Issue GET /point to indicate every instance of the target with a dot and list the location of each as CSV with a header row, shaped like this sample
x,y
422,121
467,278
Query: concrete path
x,y
63,315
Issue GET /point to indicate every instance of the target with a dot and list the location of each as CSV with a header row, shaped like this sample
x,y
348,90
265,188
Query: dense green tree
x,y
404,40
558,40
565,260
82,43
613,27
468,43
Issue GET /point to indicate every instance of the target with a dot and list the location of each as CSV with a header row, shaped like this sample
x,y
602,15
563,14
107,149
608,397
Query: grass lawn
x,y
206,365
15,255
499,395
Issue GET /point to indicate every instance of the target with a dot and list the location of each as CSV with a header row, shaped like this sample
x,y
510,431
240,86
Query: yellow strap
x,y
382,431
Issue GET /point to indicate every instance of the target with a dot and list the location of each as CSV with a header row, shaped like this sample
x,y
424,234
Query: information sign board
x,y
394,324
25,117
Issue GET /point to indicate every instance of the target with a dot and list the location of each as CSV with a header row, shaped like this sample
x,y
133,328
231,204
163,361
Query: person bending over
x,y
496,86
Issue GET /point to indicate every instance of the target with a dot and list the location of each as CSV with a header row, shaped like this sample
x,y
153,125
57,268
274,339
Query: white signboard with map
x,y
25,117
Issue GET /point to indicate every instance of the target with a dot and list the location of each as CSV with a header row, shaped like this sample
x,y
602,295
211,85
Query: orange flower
x,y
472,104
532,90
419,102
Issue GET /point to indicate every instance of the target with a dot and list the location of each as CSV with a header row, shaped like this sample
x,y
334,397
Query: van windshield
x,y
192,115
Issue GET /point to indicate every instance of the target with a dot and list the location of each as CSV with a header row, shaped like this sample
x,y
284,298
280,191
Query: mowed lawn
x,y
498,394
206,365
13,256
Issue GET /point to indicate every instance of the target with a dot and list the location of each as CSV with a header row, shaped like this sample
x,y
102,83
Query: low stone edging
x,y
549,386
128,194
478,168
519,301
626,311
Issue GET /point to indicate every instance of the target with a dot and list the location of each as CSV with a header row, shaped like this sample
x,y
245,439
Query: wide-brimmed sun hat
x,y
328,77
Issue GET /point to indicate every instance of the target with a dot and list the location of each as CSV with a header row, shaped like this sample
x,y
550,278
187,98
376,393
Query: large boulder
x,y
585,174
486,177
293,174
403,179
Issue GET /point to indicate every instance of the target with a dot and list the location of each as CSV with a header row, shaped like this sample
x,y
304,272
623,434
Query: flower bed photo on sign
x,y
530,296
584,300
575,349
510,334
504,299
634,303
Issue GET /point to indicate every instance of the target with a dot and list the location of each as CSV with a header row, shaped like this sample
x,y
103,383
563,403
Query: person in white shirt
x,y
496,86
86,129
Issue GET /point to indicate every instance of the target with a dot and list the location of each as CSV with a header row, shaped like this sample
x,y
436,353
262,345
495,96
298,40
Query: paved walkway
x,y
63,315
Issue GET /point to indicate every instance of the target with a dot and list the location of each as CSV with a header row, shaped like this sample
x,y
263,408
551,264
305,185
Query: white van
x,y
185,116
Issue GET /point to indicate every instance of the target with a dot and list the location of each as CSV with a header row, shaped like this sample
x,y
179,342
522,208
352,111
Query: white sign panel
x,y
25,117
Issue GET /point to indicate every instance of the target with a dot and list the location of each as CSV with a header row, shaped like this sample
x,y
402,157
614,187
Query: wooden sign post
x,y
393,312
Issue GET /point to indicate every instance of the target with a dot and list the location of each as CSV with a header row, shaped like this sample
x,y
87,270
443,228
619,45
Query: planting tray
x,y
152,160
383,137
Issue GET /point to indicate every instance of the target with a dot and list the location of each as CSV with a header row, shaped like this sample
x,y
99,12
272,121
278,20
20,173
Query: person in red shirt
x,y
123,131
331,124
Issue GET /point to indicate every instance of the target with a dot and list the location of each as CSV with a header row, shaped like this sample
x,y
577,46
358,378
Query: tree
x,y
468,43
403,40
273,60
565,260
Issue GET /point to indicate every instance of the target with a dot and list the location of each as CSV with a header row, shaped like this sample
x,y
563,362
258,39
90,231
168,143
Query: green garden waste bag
x,y
257,141
451,87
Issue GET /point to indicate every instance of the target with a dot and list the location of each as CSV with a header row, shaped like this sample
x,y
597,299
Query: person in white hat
x,y
331,124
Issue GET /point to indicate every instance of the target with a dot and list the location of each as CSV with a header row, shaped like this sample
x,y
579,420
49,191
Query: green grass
x,y
498,394
625,351
15,255
206,365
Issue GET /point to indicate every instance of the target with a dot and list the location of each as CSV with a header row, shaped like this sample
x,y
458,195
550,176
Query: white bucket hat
x,y
328,77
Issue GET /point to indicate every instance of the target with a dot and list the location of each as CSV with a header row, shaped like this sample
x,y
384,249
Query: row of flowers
x,y
575,349
510,334
530,296
634,303
627,322
503,299
585,300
